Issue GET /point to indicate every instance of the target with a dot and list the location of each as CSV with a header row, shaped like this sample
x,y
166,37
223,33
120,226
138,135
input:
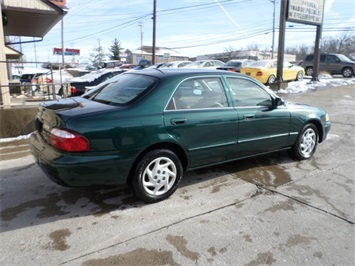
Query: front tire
x,y
299,76
306,143
157,175
309,71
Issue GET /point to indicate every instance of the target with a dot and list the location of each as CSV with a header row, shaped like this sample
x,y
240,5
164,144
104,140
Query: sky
x,y
190,27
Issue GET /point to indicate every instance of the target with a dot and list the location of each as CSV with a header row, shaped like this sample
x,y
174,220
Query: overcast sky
x,y
191,27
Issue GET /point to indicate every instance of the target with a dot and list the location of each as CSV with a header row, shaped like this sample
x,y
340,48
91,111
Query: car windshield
x,y
123,89
344,58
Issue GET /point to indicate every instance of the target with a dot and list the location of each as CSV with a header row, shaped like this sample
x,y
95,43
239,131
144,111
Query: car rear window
x,y
123,89
233,64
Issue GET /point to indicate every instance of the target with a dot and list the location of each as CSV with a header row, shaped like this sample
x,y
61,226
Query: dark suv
x,y
331,63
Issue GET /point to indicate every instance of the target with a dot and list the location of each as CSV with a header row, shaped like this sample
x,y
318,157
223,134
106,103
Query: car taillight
x,y
259,73
73,90
232,70
48,80
68,141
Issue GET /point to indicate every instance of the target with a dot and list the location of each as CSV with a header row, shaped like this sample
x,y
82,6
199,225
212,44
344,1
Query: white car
x,y
59,79
211,64
176,64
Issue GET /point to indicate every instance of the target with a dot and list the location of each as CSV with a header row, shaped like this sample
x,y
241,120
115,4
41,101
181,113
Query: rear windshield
x,y
122,90
233,63
260,64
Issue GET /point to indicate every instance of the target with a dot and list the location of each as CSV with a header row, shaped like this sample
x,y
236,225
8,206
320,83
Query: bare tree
x,y
230,53
342,44
253,47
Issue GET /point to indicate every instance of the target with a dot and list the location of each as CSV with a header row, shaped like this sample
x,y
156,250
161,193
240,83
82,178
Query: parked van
x,y
331,63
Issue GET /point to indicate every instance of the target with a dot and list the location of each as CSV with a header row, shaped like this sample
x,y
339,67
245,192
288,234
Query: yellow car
x,y
265,71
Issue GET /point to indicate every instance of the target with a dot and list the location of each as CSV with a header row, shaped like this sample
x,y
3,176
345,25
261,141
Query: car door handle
x,y
248,116
178,121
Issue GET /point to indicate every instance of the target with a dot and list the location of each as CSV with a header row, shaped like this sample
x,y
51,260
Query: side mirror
x,y
279,101
197,92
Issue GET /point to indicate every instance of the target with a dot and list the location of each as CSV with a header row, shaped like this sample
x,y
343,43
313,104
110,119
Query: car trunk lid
x,y
56,114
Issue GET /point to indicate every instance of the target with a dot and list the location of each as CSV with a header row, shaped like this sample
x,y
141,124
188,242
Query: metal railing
x,y
38,88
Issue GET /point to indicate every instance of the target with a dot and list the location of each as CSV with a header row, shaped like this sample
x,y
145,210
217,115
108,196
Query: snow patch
x,y
3,140
324,81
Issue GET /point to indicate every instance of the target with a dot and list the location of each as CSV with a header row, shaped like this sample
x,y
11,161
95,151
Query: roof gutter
x,y
10,43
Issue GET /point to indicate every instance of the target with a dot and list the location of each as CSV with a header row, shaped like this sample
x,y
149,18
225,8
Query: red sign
x,y
67,51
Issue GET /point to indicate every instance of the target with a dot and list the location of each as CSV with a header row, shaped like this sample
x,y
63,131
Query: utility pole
x,y
35,50
62,23
154,28
273,30
140,24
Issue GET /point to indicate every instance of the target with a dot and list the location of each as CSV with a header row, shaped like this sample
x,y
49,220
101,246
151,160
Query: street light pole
x,y
154,28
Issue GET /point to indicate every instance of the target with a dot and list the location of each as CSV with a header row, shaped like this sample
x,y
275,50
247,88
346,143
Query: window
x,y
208,64
199,93
216,63
124,89
247,93
332,59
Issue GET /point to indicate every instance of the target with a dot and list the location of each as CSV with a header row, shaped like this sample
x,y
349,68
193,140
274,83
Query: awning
x,y
30,18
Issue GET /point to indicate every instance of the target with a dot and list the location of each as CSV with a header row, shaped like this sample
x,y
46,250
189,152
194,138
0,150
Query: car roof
x,y
165,72
240,60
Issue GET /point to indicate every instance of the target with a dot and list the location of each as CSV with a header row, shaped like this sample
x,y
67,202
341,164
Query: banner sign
x,y
67,51
305,11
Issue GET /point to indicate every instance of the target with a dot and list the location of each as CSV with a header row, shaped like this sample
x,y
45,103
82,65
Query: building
x,y
255,55
60,3
162,54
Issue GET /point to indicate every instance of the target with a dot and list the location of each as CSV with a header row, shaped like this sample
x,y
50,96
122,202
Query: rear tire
x,y
306,143
157,175
60,92
347,72
271,80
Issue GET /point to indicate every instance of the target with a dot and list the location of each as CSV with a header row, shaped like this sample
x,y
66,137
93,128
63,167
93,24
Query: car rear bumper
x,y
72,170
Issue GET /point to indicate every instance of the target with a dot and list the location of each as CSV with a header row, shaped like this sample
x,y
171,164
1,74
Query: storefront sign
x,y
67,51
305,11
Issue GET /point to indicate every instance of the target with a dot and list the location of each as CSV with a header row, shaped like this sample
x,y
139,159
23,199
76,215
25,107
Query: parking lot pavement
x,y
268,210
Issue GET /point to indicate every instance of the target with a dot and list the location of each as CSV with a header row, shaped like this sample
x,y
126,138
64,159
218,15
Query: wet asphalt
x,y
267,210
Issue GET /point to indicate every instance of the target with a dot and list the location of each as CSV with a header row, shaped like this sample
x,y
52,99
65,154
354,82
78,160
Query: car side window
x,y
332,59
199,93
208,64
247,93
322,58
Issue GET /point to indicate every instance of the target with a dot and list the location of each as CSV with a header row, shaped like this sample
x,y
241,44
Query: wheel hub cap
x,y
308,142
159,176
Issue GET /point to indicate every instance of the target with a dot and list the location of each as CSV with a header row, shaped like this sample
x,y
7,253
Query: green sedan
x,y
146,128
